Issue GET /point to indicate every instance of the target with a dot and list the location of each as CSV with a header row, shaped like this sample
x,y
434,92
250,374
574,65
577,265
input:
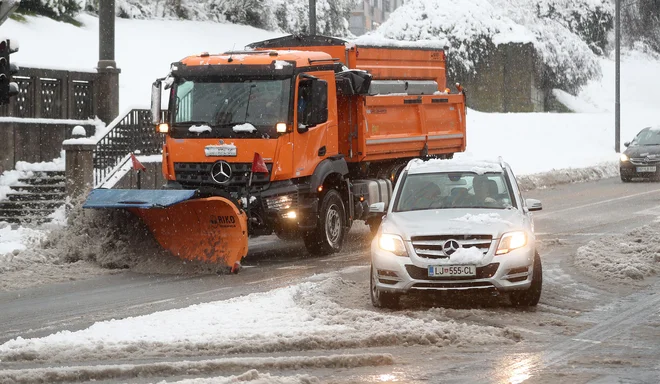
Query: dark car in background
x,y
642,156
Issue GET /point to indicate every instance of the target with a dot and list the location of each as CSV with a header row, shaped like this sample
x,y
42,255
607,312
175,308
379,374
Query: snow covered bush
x,y
473,29
289,16
57,9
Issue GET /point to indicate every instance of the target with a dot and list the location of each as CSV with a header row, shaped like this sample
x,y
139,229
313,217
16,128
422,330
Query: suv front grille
x,y
198,174
430,247
644,161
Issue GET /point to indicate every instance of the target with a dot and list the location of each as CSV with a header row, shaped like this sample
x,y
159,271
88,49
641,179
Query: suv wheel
x,y
381,299
531,296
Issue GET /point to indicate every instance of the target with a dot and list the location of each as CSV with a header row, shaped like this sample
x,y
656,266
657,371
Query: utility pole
x,y
617,75
108,79
312,17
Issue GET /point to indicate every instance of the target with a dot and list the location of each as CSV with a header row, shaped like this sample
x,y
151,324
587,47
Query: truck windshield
x,y
453,190
247,108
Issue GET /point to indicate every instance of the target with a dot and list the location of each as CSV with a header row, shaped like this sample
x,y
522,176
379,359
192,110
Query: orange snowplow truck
x,y
298,136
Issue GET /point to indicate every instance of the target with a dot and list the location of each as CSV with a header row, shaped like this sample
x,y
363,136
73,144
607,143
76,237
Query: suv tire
x,y
531,296
381,299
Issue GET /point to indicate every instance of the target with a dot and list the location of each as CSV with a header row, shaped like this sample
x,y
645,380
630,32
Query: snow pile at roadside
x,y
299,317
622,258
253,377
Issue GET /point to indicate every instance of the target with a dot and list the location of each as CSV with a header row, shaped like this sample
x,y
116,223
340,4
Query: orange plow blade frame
x,y
211,229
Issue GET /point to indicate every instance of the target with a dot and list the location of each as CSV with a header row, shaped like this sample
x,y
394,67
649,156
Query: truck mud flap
x,y
211,229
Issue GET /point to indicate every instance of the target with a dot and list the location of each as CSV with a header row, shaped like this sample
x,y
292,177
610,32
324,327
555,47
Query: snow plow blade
x,y
211,229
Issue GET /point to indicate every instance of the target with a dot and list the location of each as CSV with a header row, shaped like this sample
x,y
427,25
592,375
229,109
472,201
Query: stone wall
x,y
508,80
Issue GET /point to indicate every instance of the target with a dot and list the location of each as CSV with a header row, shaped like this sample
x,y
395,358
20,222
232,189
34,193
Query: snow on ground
x,y
622,258
253,376
297,317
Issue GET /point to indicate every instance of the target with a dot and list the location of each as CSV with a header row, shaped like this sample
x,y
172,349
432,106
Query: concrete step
x,y
33,204
35,197
27,220
39,189
24,212
43,180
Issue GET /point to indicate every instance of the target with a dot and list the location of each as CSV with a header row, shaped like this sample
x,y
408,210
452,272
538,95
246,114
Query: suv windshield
x,y
230,109
647,136
453,190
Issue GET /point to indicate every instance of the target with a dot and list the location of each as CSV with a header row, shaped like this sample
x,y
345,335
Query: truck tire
x,y
531,296
328,236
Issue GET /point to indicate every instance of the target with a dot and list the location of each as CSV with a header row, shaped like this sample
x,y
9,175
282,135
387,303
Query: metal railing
x,y
53,94
131,133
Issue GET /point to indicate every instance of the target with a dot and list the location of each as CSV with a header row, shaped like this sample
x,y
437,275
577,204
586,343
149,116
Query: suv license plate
x,y
645,169
452,270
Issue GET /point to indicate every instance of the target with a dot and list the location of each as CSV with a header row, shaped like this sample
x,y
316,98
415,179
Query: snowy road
x,y
585,330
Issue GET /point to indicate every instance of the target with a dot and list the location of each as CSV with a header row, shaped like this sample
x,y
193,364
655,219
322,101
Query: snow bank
x,y
253,376
299,317
201,367
628,257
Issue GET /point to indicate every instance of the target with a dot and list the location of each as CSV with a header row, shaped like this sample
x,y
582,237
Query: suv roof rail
x,y
501,161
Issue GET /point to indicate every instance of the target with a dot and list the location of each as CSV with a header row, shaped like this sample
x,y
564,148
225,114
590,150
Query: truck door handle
x,y
322,151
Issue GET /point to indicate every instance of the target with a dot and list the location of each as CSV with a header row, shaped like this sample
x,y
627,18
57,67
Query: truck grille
x,y
430,247
200,174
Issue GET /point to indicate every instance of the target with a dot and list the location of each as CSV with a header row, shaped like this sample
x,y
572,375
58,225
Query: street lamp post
x,y
108,79
617,75
312,17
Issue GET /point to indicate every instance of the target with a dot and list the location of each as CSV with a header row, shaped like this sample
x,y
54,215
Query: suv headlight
x,y
623,158
511,241
392,243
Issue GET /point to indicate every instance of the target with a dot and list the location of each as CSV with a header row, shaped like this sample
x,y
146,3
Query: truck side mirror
x,y
314,108
155,102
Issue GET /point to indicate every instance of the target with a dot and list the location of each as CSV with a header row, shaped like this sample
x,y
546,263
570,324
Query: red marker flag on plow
x,y
138,166
258,164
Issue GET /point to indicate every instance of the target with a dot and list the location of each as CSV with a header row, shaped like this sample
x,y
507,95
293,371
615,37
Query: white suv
x,y
456,225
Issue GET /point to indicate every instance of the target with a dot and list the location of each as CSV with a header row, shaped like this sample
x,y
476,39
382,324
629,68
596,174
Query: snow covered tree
x,y
473,28
641,23
288,16
56,9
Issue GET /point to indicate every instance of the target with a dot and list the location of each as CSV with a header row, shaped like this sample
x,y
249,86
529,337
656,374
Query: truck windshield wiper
x,y
194,122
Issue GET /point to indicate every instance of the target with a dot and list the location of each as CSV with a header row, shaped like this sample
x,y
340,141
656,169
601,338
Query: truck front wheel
x,y
328,236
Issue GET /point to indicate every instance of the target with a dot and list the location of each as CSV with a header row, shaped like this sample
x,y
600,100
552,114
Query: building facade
x,y
369,14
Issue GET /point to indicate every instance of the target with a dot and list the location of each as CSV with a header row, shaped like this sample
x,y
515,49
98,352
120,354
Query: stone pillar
x,y
107,97
79,167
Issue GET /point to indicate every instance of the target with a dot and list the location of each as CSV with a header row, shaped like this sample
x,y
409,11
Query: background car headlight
x,y
623,157
511,241
392,243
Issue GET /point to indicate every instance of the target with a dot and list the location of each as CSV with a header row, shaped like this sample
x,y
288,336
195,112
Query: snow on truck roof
x,y
265,57
480,167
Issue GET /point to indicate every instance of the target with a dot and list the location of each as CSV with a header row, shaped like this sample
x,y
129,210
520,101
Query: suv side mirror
x,y
533,205
627,143
155,102
377,207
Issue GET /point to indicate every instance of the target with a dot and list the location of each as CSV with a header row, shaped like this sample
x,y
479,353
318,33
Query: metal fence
x,y
133,133
53,94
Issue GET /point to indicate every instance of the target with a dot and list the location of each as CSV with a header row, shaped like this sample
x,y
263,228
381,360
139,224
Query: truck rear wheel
x,y
328,236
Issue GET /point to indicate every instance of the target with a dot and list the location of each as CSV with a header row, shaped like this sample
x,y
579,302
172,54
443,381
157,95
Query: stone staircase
x,y
37,198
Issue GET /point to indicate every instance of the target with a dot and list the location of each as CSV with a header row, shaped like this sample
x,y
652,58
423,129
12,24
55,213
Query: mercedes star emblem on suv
x,y
221,172
450,246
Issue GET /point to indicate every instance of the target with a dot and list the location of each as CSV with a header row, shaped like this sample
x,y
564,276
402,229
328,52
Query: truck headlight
x,y
280,202
392,243
511,241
